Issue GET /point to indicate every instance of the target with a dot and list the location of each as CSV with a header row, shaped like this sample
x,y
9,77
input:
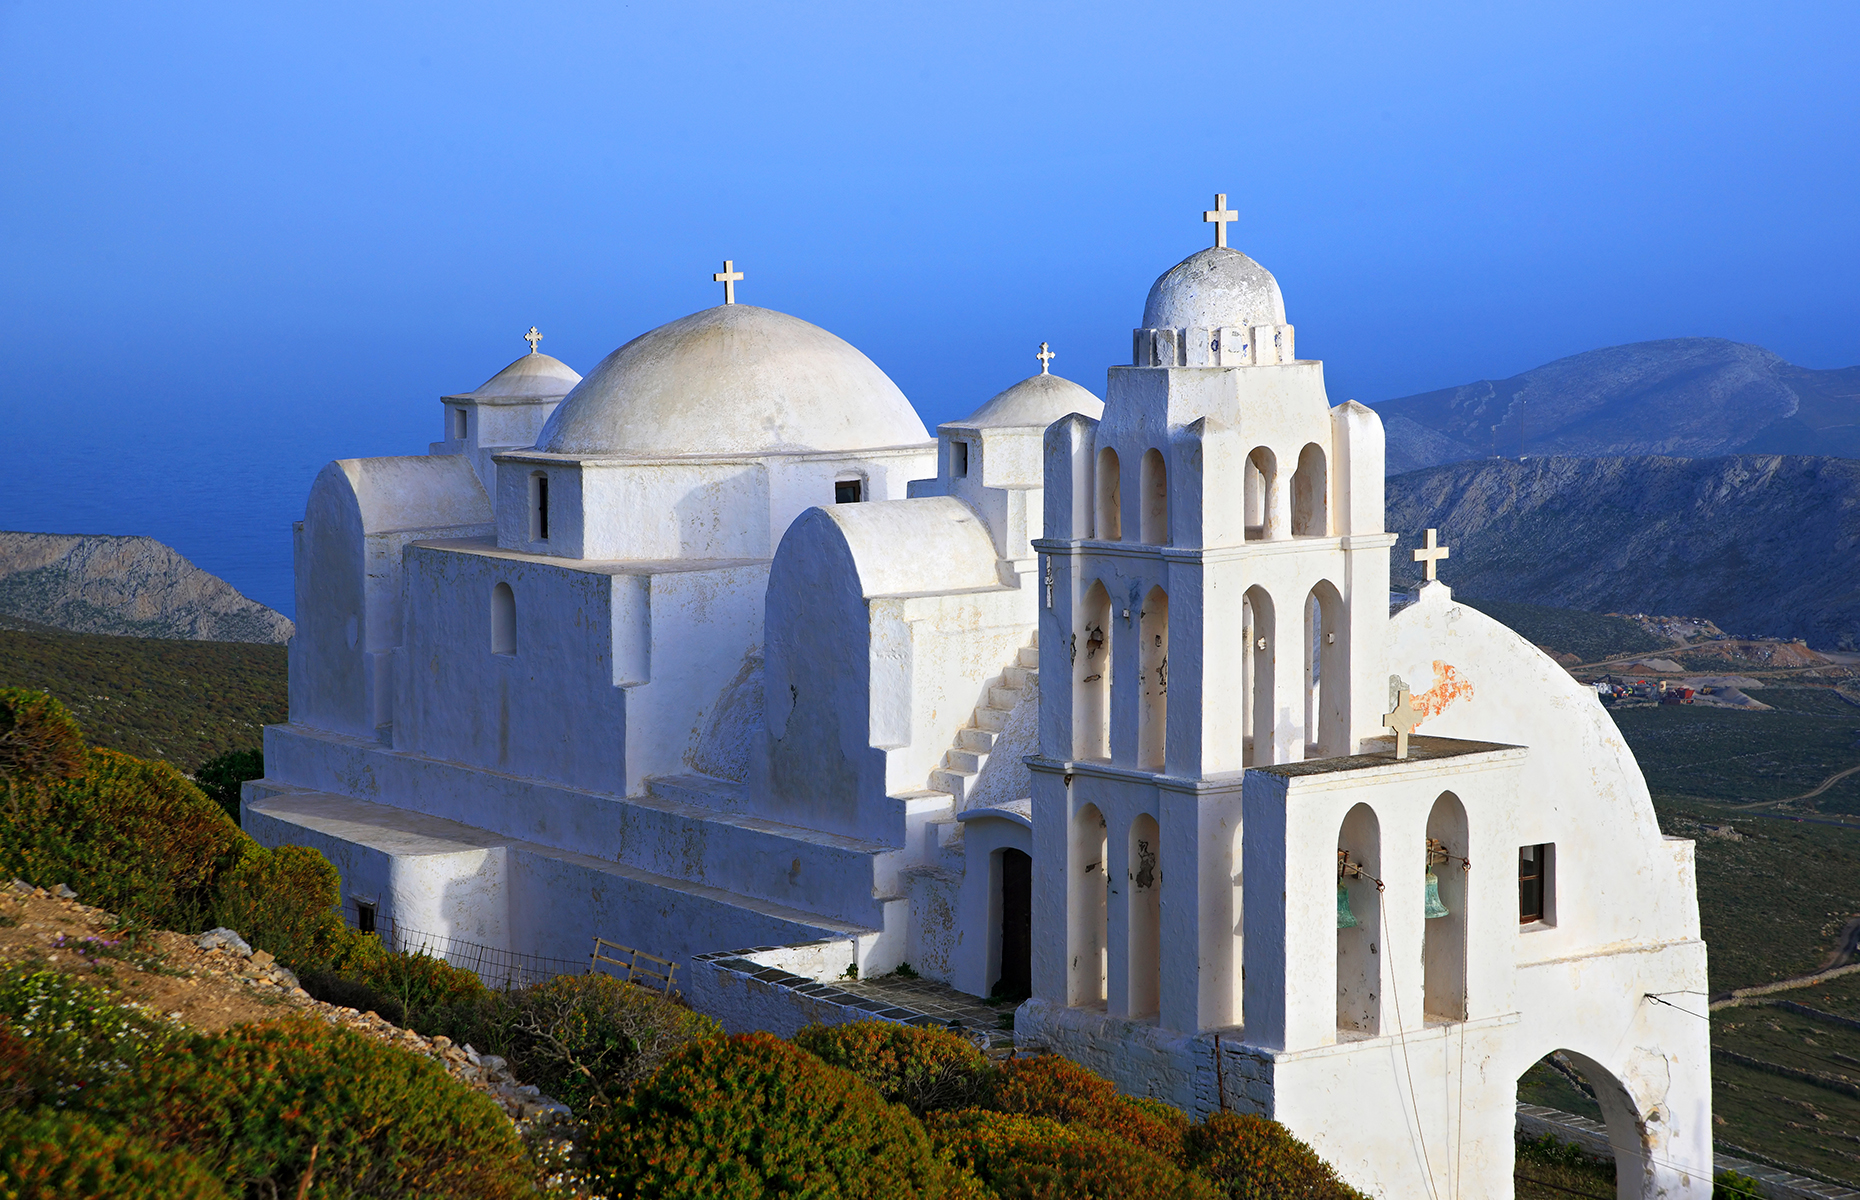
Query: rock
x,y
22,887
62,892
286,977
492,1063
472,1055
223,938
262,958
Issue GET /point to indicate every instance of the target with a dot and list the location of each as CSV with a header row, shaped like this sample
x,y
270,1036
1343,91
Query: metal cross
x,y
1220,216
532,337
1045,356
1401,721
728,277
1431,555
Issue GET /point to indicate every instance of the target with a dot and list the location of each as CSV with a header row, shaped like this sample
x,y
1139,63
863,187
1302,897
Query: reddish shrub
x,y
1251,1158
923,1069
1050,1086
253,1102
1021,1157
753,1116
58,1155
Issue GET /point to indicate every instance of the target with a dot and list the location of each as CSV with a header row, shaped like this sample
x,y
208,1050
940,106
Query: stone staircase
x,y
963,761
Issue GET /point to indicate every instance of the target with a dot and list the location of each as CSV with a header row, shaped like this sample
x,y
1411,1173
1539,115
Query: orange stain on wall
x,y
1449,686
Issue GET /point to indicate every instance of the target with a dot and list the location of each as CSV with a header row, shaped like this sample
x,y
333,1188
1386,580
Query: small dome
x,y
532,375
1213,288
733,379
1037,400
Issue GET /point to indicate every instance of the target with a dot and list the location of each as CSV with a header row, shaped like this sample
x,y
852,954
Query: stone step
x,y
1020,677
968,762
954,783
981,741
1030,657
1003,697
994,720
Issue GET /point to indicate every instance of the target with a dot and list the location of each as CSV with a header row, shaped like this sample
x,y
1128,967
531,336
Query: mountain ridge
x,y
126,586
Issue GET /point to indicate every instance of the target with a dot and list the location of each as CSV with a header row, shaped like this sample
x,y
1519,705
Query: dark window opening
x,y
364,916
848,491
539,507
458,424
958,459
1534,883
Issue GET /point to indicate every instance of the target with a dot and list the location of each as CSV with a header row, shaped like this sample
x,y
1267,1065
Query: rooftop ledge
x,y
1420,749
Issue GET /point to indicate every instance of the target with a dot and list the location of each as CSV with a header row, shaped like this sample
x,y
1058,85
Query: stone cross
x,y
1045,356
728,277
1431,555
532,337
1402,720
1220,216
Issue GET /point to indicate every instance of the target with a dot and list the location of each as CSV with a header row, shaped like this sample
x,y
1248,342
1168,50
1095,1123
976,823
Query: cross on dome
x,y
1045,356
532,337
1431,555
1219,217
728,277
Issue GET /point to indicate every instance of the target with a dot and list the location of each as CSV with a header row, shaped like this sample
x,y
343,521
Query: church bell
x,y
1345,918
1434,906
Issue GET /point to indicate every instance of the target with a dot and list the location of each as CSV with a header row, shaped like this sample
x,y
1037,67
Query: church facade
x,y
1108,704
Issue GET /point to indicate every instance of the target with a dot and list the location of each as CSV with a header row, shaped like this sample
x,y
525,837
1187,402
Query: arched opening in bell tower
x,y
1107,490
1086,911
1091,699
1359,923
1256,683
1154,480
1326,688
1259,489
1443,953
1145,918
1310,494
1153,681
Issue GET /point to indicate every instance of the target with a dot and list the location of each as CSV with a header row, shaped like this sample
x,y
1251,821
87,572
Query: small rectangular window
x,y
539,507
958,459
458,424
848,491
1536,880
364,916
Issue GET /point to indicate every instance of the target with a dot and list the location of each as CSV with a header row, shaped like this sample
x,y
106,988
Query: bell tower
x,y
1215,593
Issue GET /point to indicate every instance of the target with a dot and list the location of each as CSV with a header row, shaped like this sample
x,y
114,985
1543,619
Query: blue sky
x,y
240,240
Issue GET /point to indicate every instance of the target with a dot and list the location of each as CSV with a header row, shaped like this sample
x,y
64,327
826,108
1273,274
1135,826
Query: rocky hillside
x,y
129,586
1760,544
1690,397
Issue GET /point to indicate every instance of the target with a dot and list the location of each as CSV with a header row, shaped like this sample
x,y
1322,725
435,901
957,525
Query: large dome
x,y
532,375
1213,288
731,380
1037,400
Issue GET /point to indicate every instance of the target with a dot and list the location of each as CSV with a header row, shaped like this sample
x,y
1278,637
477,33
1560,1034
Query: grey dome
x,y
1037,400
735,379
1213,288
531,375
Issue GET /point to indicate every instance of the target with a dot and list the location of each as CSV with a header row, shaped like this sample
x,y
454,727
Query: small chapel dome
x,y
1036,400
1214,288
731,380
533,375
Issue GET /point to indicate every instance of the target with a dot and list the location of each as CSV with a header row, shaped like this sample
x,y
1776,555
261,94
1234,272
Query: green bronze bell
x,y
1434,907
1345,918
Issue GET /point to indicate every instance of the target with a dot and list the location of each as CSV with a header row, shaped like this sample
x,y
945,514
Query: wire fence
x,y
499,969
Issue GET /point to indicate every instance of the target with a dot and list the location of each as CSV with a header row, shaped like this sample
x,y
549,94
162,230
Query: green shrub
x,y
71,1036
284,900
253,1102
58,1155
221,776
922,1068
1252,1158
38,737
1729,1185
752,1116
1050,1086
347,990
421,986
588,1040
1023,1157
137,837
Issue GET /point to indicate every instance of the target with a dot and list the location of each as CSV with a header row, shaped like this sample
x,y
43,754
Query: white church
x,y
716,649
